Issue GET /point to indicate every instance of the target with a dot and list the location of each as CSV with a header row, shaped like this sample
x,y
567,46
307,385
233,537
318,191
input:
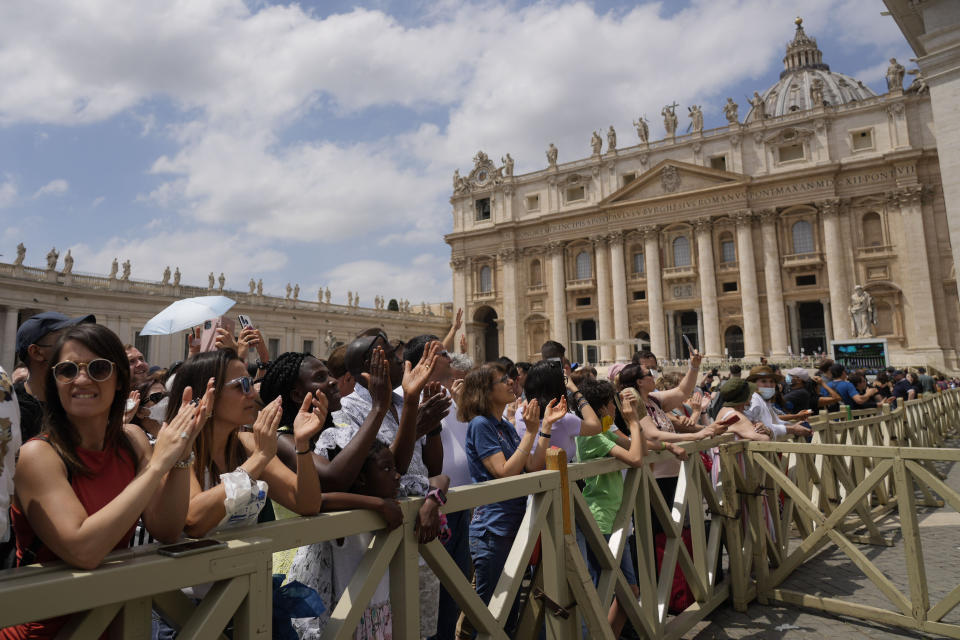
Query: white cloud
x,y
425,276
53,188
97,202
8,192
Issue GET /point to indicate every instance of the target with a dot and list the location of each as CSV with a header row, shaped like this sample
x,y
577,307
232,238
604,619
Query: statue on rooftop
x,y
289,291
643,129
919,84
211,281
326,295
759,108
222,280
596,143
611,139
696,118
166,275
730,111
349,298
176,277
252,285
114,267
816,93
296,291
68,263
52,258
126,270
507,166
260,287
670,121
21,254
895,74
552,153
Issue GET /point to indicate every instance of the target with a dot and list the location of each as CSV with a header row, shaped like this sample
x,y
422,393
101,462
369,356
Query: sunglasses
x,y
98,370
245,383
156,397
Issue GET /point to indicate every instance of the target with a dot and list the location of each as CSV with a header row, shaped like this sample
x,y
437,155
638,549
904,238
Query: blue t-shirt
x,y
902,388
846,391
487,436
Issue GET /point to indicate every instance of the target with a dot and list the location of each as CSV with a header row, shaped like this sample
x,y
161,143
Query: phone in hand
x,y
729,420
208,339
244,321
190,547
690,348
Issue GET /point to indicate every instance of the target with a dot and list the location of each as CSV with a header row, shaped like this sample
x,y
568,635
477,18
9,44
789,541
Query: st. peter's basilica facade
x,y
749,239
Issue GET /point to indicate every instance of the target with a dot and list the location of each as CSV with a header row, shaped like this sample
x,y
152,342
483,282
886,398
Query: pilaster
x,y
830,210
558,295
771,273
651,255
710,317
511,317
621,321
749,293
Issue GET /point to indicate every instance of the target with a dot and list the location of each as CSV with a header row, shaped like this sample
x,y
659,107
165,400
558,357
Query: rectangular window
x,y
576,193
790,152
142,343
807,280
639,295
583,302
273,346
308,346
627,178
729,287
483,209
533,202
719,163
862,140
638,264
728,251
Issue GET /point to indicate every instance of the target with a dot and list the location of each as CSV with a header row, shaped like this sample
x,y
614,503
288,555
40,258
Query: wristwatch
x,y
262,365
437,494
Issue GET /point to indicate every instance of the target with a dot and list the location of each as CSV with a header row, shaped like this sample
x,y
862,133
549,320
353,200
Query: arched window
x,y
584,266
486,280
536,277
872,230
802,233
638,264
728,250
681,251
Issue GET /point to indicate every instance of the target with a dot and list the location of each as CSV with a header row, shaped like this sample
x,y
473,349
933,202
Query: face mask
x,y
159,410
654,373
605,423
766,392
788,380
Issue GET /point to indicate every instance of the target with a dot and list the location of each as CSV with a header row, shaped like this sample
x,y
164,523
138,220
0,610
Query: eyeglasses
x,y
245,383
156,397
98,370
506,380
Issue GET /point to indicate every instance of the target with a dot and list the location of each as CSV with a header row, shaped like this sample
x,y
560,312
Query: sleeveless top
x,y
112,470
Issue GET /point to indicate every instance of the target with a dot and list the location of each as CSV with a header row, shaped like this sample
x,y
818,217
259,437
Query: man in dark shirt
x,y
927,383
902,388
797,398
36,339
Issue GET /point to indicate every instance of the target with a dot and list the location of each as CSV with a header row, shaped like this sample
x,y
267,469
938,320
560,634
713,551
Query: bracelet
x,y
304,452
526,451
186,462
544,435
663,446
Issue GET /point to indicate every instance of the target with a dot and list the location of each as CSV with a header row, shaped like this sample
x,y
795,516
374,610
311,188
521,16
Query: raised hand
x,y
531,415
695,358
133,403
224,340
265,429
248,338
463,343
458,322
175,439
628,407
309,420
556,409
378,381
456,388
431,411
414,378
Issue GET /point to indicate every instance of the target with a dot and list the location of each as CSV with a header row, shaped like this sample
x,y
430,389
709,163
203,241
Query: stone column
x,y
699,330
827,321
9,339
710,316
915,271
621,322
749,295
651,255
457,265
771,273
836,274
558,293
794,326
511,316
671,334
604,315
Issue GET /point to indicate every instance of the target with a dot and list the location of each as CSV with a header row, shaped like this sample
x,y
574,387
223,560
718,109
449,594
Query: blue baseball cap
x,y
36,327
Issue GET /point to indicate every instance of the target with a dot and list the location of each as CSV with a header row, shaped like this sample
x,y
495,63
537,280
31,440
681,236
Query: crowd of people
x,y
100,450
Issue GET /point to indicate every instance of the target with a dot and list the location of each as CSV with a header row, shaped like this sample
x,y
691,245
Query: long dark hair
x,y
59,431
281,379
545,383
194,373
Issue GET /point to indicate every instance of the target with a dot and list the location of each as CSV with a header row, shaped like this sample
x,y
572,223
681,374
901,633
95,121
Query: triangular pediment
x,y
672,177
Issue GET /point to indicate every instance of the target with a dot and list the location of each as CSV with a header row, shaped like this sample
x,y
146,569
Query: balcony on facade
x,y
728,267
802,260
481,296
688,272
536,289
581,285
879,251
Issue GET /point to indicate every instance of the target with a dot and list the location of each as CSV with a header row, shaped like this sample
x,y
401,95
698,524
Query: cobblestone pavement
x,y
832,574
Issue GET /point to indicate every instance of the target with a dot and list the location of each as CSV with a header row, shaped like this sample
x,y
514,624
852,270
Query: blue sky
x,y
313,142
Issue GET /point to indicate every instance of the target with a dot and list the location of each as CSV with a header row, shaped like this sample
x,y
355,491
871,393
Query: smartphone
x,y
208,339
190,547
729,420
244,321
689,344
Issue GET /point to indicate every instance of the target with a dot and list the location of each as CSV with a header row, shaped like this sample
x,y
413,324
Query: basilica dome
x,y
804,76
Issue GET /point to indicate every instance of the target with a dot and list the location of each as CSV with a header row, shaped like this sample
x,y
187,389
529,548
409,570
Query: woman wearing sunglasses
x,y
230,461
84,482
153,406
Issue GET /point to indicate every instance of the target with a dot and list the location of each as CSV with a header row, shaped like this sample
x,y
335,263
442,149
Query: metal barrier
x,y
832,488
